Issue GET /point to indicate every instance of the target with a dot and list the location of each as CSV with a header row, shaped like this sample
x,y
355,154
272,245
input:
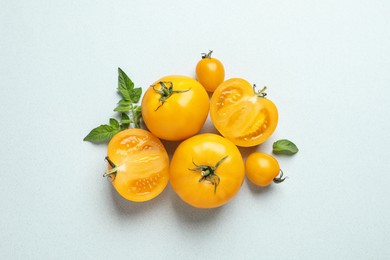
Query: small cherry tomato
x,y
242,114
138,164
206,171
262,169
210,72
175,107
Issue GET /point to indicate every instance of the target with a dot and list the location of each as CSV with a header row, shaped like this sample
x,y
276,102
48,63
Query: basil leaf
x,y
114,123
137,109
125,121
130,98
125,85
124,102
135,94
122,108
284,146
101,134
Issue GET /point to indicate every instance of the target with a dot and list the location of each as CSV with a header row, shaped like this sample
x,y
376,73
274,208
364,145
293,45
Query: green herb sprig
x,y
128,108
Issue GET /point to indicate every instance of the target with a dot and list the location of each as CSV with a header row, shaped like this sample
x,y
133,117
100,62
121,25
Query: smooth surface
x,y
327,68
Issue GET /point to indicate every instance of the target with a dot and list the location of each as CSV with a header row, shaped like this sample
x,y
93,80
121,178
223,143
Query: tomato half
x,y
210,72
206,171
241,114
262,169
138,164
175,107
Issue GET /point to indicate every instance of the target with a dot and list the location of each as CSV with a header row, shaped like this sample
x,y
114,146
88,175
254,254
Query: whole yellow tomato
x,y
262,169
175,107
206,171
241,114
210,72
138,164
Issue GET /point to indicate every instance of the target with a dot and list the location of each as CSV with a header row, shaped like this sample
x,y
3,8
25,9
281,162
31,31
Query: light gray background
x,y
327,66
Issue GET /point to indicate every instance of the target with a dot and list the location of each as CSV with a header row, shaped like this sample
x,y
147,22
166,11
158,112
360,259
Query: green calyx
x,y
165,91
207,55
260,93
207,173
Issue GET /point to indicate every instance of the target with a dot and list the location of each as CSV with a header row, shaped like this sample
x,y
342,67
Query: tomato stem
x,y
208,173
166,92
207,55
279,178
261,93
109,172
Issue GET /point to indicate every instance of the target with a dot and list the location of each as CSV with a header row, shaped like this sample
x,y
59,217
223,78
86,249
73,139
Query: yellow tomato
x,y
206,171
175,107
210,72
241,114
138,164
262,169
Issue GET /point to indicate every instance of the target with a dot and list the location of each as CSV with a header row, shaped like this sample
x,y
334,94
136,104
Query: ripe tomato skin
x,y
142,164
261,168
206,149
182,115
210,72
240,115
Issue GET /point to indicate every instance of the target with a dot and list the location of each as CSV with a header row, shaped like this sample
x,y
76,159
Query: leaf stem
x,y
136,122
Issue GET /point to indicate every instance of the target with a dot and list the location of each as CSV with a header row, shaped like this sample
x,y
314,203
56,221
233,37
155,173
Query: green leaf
x,y
137,109
125,85
122,108
135,94
124,102
114,123
130,98
284,146
125,121
101,134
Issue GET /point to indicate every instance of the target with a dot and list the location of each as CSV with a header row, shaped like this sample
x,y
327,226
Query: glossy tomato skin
x,y
206,149
210,72
240,115
182,115
142,164
261,168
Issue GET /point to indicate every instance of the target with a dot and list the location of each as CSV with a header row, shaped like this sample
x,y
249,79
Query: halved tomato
x,y
242,114
138,164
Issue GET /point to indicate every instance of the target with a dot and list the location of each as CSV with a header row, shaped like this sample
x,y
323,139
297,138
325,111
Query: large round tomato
x,y
206,170
210,72
241,114
175,107
138,164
